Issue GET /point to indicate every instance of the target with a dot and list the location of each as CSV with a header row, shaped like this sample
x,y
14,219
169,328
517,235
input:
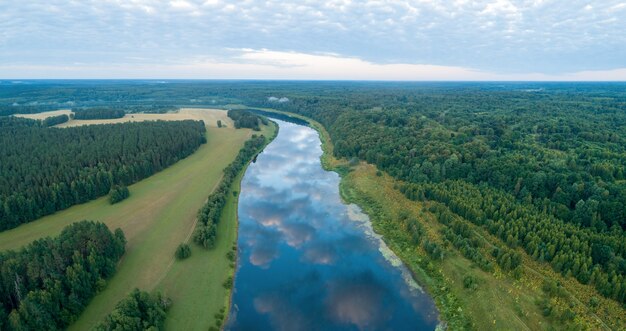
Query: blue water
x,y
309,262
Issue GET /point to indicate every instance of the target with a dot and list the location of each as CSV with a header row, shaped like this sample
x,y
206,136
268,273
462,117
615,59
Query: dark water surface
x,y
309,262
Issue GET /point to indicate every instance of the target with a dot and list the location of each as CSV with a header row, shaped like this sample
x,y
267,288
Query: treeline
x,y
591,257
47,284
209,215
97,113
138,312
246,119
43,170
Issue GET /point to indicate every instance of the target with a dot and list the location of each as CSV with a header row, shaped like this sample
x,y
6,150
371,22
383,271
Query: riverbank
x,y
466,296
452,314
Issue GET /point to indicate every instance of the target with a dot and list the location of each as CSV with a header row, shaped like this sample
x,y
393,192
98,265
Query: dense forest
x,y
47,284
43,170
209,215
139,311
97,113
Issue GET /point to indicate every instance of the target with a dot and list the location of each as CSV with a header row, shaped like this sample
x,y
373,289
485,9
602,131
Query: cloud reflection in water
x,y
304,264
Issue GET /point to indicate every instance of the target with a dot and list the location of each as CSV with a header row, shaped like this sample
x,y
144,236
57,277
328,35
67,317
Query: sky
x,y
331,39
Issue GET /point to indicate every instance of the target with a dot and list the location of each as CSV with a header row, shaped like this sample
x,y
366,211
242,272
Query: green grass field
x,y
195,284
156,218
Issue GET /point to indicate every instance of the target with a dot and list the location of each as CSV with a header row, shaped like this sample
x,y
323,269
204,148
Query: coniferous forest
x,y
47,284
43,170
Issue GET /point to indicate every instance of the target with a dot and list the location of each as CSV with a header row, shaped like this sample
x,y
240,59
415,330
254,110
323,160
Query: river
x,y
309,262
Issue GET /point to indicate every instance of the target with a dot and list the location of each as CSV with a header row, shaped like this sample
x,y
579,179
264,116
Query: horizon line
x,y
14,80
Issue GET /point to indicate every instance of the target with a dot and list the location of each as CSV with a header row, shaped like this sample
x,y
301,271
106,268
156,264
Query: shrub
x,y
139,311
118,193
183,251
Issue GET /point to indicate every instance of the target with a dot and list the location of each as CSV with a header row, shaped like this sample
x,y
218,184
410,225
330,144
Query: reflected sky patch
x,y
306,262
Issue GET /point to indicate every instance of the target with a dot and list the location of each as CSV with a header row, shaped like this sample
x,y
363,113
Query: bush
x,y
469,282
183,251
118,193
139,311
594,302
228,283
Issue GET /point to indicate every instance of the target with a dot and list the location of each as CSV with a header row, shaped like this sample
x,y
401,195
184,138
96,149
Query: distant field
x,y
209,116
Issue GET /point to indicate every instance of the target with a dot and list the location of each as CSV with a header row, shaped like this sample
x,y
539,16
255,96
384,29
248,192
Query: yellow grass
x,y
209,116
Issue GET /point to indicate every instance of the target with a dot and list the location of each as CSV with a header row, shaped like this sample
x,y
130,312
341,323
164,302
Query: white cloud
x,y
182,5
500,7
619,6
507,36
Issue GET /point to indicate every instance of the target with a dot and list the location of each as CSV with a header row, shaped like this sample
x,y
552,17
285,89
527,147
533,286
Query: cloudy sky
x,y
326,39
